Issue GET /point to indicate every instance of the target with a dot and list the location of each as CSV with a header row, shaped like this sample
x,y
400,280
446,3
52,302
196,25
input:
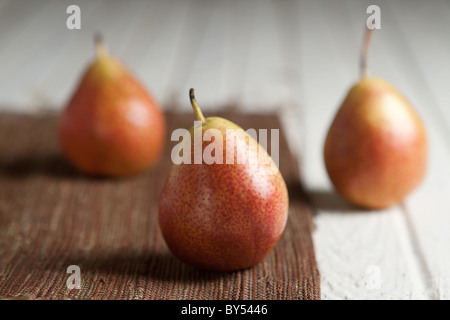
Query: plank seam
x,y
418,256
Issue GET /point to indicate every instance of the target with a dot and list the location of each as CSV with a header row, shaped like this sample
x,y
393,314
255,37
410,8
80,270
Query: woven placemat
x,y
52,217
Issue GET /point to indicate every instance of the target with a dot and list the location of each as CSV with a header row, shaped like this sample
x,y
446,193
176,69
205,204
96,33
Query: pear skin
x,y
112,126
376,148
223,217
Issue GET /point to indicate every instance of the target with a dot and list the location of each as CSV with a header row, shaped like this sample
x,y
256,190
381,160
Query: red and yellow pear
x,y
112,126
376,148
223,216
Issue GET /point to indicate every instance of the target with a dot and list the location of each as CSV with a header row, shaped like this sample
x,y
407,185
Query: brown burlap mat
x,y
52,217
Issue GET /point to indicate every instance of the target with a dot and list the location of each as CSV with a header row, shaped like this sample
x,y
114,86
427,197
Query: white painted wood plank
x,y
264,86
19,42
35,53
425,28
218,46
149,52
353,247
3,4
291,111
194,28
208,67
240,33
12,16
422,73
226,56
115,20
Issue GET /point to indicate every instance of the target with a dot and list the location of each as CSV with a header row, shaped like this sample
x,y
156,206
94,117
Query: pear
x,y
223,216
376,148
111,126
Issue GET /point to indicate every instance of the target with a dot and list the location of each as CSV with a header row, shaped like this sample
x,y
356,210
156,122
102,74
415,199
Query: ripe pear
x,y
376,148
223,217
112,126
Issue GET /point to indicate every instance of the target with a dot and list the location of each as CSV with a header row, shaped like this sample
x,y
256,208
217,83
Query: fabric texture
x,y
52,217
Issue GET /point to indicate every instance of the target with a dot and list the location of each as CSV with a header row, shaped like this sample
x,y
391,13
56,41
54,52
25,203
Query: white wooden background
x,y
298,57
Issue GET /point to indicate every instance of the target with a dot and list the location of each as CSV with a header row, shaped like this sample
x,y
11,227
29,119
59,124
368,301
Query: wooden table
x,y
297,57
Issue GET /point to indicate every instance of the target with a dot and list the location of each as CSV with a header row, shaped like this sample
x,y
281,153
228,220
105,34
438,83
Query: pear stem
x,y
100,46
365,51
197,111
